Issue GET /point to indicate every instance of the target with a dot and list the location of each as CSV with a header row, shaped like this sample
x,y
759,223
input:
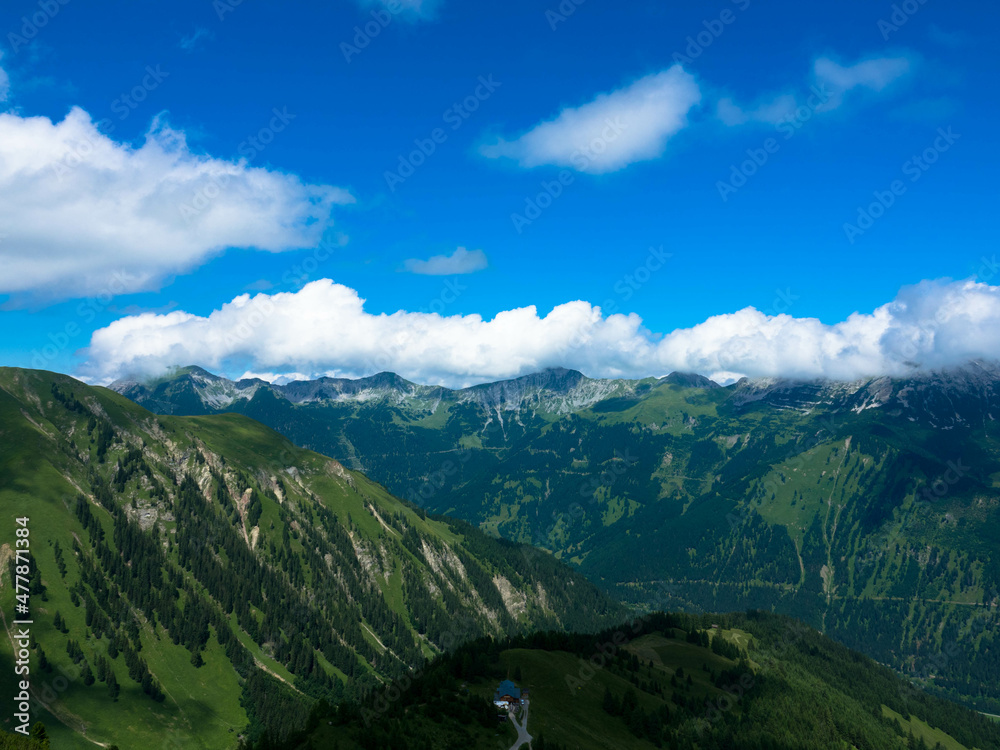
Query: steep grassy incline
x,y
197,580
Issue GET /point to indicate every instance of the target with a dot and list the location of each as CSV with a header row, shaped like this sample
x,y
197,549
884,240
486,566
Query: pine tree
x,y
40,735
637,723
113,688
609,704
101,667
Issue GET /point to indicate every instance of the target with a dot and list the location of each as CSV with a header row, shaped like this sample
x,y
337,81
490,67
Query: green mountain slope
x,y
733,681
871,509
200,579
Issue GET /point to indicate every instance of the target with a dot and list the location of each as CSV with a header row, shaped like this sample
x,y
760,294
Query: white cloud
x,y
324,329
874,74
459,262
614,130
831,84
635,123
273,377
84,214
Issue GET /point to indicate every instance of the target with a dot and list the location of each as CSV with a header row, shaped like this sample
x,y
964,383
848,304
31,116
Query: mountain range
x,y
869,509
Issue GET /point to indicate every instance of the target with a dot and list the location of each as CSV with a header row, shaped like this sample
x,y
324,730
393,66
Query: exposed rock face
x,y
965,395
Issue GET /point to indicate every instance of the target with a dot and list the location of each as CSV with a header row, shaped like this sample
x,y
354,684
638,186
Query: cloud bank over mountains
x,y
84,213
324,329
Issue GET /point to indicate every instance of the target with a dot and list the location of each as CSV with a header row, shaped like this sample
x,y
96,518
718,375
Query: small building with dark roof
x,y
508,695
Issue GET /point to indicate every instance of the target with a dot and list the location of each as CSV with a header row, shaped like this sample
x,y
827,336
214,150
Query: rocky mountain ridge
x,y
562,391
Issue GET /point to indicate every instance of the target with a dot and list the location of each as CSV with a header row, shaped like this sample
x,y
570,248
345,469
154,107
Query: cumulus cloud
x,y
324,329
459,262
83,214
831,84
619,128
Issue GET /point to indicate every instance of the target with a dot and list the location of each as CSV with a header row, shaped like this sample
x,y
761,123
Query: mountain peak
x,y
198,370
388,379
552,378
690,380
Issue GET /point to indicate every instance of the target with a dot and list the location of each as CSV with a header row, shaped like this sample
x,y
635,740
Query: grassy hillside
x,y
10,741
198,581
740,681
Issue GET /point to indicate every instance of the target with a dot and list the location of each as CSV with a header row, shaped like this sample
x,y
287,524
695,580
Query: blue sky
x,y
317,124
